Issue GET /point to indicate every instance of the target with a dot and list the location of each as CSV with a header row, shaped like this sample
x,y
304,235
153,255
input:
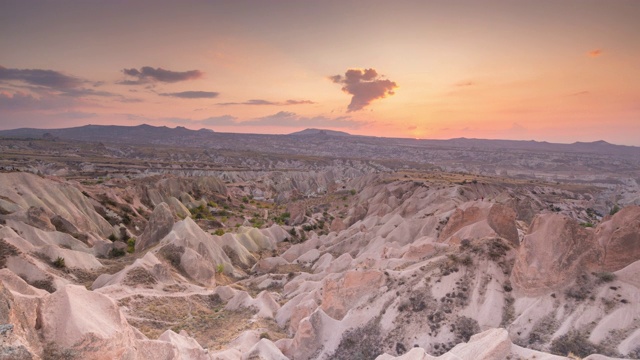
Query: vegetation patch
x,y
6,250
139,276
577,343
361,344
59,262
464,328
581,289
44,284
172,254
542,332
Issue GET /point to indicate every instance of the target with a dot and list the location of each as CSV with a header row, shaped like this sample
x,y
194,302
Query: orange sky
x,y
560,71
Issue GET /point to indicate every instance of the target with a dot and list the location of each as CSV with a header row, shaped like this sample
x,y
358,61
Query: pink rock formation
x,y
620,238
340,294
556,249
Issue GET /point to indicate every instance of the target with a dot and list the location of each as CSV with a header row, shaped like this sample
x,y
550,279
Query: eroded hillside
x,y
410,264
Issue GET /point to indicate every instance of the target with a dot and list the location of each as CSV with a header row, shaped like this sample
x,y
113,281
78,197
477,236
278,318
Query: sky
x,y
546,70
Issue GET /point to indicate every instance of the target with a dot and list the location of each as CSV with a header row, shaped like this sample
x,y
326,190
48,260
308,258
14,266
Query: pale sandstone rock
x,y
159,225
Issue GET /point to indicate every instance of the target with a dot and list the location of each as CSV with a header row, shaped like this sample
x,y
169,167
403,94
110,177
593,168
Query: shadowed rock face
x,y
556,249
620,238
461,218
153,191
502,220
160,224
38,217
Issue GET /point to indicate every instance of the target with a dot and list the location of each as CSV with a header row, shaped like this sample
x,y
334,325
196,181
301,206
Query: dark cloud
x,y
193,94
267,102
38,77
148,74
365,86
50,83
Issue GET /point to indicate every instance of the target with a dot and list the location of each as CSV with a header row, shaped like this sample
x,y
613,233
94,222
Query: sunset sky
x,y
559,71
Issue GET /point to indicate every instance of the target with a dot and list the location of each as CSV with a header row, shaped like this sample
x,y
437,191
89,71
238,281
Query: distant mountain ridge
x,y
109,133
313,131
181,136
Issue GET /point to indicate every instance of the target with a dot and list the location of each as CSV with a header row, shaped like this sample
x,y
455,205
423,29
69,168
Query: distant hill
x,y
139,134
309,141
312,131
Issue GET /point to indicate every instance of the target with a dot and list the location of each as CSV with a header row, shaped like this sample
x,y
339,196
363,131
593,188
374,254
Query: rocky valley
x,y
159,243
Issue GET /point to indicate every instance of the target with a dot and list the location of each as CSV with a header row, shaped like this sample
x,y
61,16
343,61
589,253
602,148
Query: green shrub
x,y
219,232
112,237
605,277
59,262
220,268
614,209
465,328
131,245
467,261
116,252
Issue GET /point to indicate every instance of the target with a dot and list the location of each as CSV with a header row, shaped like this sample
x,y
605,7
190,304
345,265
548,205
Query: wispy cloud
x,y
581,93
193,94
76,115
48,83
222,120
290,119
267,102
147,74
280,119
39,77
465,84
365,85
595,53
23,101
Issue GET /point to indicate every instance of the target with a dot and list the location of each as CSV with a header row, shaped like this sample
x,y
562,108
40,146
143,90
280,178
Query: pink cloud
x,y
365,85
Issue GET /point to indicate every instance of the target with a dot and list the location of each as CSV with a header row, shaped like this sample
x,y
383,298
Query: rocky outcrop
x,y
502,220
620,238
154,190
556,249
63,225
18,336
85,323
21,191
38,217
160,224
341,294
461,218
